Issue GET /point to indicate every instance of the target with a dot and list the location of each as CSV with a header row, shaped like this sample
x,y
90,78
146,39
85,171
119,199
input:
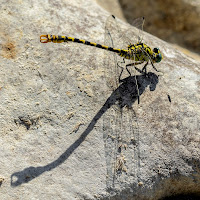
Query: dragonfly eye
x,y
158,57
155,50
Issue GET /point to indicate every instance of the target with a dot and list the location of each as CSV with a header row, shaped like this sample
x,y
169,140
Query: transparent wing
x,y
120,129
111,117
122,33
112,71
116,38
114,28
122,150
139,23
134,33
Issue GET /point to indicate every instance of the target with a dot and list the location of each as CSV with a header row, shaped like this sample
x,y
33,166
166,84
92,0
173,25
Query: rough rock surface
x,y
62,137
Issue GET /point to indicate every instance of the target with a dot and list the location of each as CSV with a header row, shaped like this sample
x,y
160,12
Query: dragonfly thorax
x,y
142,52
137,52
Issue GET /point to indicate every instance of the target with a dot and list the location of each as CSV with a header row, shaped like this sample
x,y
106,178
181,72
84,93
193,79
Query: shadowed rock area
x,y
70,130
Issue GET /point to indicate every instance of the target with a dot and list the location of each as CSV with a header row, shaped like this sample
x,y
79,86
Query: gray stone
x,y
63,135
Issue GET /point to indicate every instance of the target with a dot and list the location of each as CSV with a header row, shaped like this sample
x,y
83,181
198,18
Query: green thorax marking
x,y
137,52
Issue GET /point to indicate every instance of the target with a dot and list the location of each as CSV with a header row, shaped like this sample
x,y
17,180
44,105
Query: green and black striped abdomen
x,y
60,39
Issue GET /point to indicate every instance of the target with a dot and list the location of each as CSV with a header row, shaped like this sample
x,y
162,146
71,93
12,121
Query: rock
x,y
63,135
112,6
176,21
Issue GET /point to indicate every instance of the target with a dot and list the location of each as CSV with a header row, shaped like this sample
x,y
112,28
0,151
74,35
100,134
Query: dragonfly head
x,y
157,56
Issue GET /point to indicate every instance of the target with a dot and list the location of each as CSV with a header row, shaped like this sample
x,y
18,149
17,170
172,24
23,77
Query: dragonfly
x,y
133,52
138,52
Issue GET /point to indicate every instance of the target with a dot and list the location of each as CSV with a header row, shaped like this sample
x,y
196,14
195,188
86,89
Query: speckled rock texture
x,y
63,135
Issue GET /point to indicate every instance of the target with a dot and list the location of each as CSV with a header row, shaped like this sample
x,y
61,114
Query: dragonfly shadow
x,y
125,95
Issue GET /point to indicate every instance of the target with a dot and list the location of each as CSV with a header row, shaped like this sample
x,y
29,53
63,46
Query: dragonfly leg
x,y
154,66
128,70
136,81
133,64
144,69
139,70
156,69
122,69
